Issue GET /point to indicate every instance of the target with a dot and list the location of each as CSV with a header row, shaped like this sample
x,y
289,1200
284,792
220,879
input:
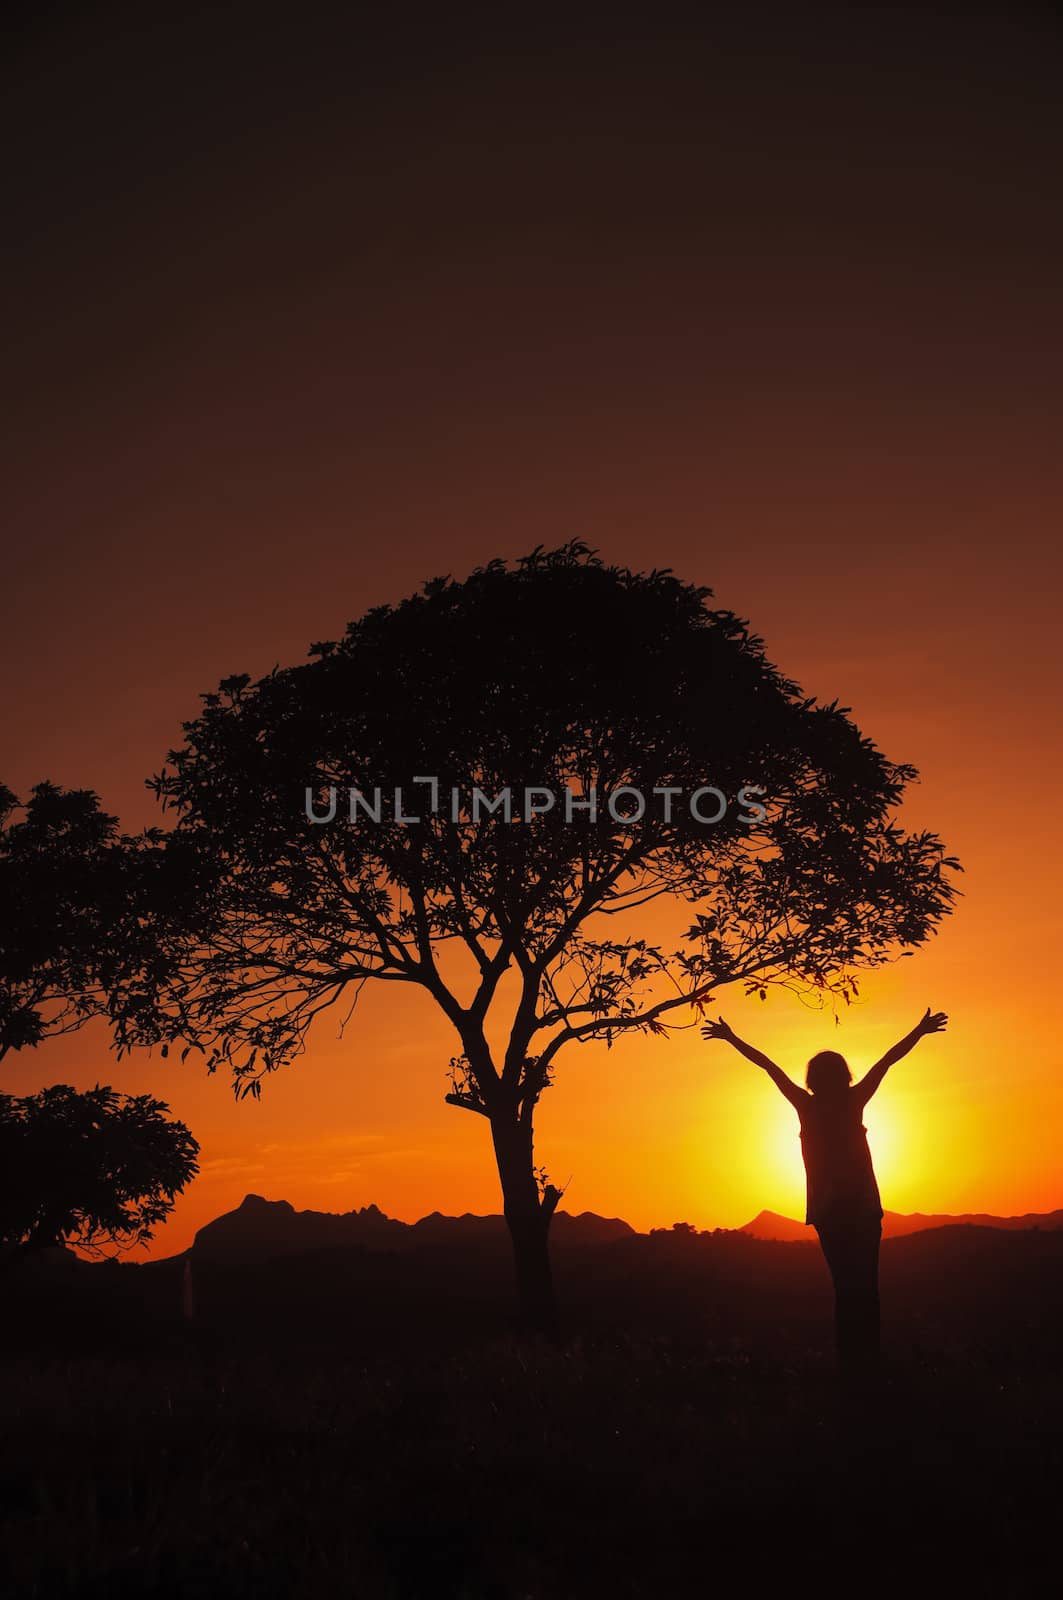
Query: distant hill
x,y
585,1228
769,1225
263,1230
366,1283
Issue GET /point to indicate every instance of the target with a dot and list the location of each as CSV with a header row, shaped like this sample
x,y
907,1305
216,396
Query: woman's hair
x,y
828,1071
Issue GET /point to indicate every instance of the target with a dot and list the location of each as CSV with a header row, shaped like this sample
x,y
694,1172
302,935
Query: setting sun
x,y
769,1173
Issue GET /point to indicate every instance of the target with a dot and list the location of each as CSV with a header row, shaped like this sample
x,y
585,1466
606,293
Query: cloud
x,y
230,1166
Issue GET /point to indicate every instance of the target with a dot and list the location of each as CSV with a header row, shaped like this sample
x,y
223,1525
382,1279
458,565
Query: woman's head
x,y
828,1073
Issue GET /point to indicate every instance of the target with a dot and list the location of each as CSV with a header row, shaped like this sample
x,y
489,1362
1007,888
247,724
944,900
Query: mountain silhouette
x,y
262,1230
895,1224
366,1282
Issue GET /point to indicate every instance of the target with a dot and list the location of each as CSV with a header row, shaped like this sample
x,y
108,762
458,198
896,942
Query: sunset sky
x,y
297,321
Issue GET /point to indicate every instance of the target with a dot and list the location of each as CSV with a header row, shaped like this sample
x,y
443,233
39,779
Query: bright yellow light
x,y
781,1151
776,1156
882,1137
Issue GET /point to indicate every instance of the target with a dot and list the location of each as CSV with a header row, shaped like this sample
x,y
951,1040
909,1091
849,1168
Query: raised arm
x,y
720,1030
930,1022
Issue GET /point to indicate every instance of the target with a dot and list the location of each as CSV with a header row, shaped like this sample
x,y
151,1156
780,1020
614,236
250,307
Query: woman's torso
x,y
840,1177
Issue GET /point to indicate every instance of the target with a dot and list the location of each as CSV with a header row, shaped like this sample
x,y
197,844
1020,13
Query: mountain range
x,y
261,1230
895,1224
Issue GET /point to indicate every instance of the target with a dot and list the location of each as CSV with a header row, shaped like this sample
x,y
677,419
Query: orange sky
x,y
786,322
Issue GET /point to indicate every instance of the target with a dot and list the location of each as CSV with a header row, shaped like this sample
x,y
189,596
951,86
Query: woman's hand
x,y
718,1030
932,1022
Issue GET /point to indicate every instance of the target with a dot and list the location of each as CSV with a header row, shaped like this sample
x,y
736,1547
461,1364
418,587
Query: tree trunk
x,y
528,1217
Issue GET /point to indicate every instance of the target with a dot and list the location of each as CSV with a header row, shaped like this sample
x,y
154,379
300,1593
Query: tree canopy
x,y
69,888
559,672
97,1170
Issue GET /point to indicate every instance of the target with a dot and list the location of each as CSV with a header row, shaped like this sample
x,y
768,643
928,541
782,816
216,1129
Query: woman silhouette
x,y
843,1202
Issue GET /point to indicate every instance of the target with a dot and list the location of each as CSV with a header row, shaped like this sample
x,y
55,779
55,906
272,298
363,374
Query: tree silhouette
x,y
99,1170
557,673
69,888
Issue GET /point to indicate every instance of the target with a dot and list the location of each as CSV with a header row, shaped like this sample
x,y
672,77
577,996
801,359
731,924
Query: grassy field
x,y
606,1466
362,1424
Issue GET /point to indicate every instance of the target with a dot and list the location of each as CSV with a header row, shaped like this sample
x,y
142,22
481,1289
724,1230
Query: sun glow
x,y
775,1148
882,1137
781,1154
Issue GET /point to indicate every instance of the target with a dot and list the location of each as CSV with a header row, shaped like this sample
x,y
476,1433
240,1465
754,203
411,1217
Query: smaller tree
x,y
69,886
97,1170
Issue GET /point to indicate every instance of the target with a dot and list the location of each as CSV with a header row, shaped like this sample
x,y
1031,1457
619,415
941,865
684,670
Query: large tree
x,y
98,1169
559,674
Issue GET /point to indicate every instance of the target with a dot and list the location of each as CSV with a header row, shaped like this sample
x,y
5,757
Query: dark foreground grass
x,y
621,1467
